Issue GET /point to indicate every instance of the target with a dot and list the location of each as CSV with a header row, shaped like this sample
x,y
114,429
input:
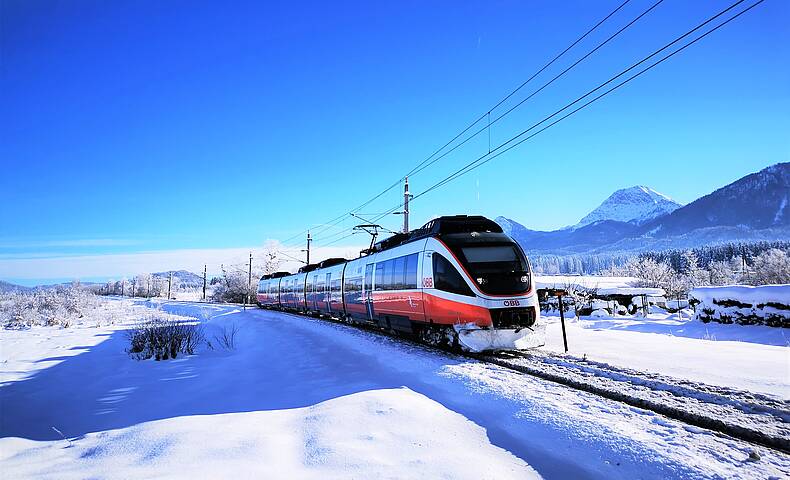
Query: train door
x,y
314,294
368,293
426,278
328,293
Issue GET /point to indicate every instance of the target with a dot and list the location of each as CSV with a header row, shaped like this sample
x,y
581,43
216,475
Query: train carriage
x,y
456,281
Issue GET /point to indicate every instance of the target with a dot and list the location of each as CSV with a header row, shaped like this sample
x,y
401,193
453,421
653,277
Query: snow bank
x,y
745,305
631,291
351,436
587,281
744,293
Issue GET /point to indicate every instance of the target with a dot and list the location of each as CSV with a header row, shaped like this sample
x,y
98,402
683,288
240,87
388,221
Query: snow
x,y
587,281
744,294
636,204
754,357
653,292
476,339
354,435
762,305
305,398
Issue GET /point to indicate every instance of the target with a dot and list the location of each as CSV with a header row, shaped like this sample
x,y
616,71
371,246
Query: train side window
x,y
410,278
380,276
398,271
389,283
447,278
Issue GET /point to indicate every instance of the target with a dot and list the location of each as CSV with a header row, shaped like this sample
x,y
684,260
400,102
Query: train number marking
x,y
427,282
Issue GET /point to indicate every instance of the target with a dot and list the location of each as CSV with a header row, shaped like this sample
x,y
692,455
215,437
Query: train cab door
x,y
368,293
328,293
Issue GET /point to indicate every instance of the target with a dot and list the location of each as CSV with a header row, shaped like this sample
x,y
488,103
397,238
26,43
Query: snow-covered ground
x,y
754,357
587,281
304,398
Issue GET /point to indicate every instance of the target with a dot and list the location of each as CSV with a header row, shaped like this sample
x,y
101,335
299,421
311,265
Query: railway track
x,y
747,416
743,415
755,418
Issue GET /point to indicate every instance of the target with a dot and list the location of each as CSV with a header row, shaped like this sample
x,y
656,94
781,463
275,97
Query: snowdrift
x,y
744,305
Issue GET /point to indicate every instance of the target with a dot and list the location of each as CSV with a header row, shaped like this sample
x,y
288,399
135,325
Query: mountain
x,y
753,208
756,202
568,240
6,287
637,205
183,278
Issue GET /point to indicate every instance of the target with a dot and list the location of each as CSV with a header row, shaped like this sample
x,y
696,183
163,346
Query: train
x,y
458,282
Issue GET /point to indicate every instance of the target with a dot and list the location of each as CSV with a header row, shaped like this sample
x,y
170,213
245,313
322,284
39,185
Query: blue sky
x,y
143,126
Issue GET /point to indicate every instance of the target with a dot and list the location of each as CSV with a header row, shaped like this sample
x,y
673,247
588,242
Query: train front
x,y
503,285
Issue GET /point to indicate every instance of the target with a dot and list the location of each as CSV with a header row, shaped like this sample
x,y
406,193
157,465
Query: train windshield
x,y
497,269
496,254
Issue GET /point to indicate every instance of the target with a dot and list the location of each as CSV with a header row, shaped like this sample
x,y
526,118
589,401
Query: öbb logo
x,y
512,303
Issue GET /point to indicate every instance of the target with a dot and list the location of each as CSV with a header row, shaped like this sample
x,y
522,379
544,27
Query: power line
x,y
486,114
488,157
483,160
545,85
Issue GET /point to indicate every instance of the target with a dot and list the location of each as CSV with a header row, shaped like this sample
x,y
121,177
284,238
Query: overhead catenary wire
x,y
488,157
483,159
484,115
540,89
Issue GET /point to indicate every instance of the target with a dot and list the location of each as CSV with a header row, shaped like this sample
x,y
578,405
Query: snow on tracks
x,y
744,415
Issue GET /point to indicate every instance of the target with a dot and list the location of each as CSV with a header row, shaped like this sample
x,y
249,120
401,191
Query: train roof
x,y
437,227
308,268
329,262
279,274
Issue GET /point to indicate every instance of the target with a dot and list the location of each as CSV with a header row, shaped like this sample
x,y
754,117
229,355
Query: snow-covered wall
x,y
763,305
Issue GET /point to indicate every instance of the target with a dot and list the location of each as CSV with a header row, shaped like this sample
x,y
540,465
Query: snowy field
x,y
304,398
754,358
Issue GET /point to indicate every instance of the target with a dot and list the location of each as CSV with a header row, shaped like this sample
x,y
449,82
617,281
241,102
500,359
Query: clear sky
x,y
149,126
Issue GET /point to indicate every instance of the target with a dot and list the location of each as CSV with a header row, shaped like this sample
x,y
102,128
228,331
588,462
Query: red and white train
x,y
458,281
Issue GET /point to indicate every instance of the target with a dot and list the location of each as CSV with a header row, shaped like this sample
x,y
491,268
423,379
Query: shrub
x,y
163,339
227,337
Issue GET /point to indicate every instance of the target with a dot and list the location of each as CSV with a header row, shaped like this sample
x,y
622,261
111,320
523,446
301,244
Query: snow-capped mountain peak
x,y
637,205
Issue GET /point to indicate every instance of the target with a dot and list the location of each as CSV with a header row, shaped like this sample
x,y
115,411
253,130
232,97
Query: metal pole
x,y
204,282
249,282
406,206
169,284
562,320
309,241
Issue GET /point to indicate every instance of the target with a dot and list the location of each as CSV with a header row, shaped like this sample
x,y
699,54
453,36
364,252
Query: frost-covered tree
x,y
770,267
720,273
233,285
271,257
649,272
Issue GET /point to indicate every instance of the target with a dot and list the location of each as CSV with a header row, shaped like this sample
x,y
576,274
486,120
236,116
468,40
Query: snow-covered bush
x,y
763,305
164,338
62,307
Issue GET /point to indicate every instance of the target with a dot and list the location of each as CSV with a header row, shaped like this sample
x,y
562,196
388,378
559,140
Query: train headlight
x,y
481,281
524,279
